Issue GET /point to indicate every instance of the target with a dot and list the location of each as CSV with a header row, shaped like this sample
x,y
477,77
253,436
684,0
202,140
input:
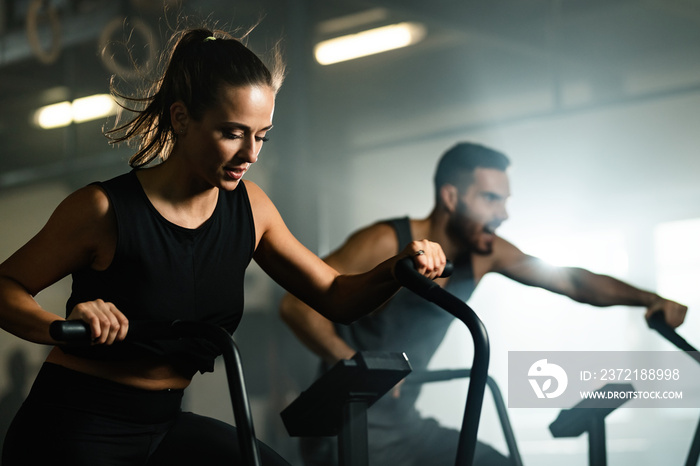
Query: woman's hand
x,y
107,323
428,257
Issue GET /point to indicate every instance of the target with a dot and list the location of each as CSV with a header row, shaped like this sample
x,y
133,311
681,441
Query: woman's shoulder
x,y
95,195
265,214
86,211
90,200
81,231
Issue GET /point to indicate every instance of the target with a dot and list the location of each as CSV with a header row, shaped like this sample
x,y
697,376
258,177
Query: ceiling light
x,y
54,116
368,42
78,111
93,107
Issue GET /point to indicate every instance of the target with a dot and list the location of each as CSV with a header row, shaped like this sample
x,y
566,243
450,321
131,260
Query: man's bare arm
x,y
582,285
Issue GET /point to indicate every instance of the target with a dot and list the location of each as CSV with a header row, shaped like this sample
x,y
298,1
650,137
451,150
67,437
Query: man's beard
x,y
464,232
469,233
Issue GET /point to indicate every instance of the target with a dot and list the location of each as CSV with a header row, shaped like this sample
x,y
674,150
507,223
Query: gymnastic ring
x,y
128,72
45,56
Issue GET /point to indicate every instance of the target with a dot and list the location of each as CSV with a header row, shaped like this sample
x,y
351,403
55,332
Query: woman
x,y
164,242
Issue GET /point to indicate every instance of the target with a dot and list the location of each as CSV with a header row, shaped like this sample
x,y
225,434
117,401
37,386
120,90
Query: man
x,y
471,189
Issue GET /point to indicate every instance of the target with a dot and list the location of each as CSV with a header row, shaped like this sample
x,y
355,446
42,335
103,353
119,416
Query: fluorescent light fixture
x,y
93,107
54,116
78,111
368,42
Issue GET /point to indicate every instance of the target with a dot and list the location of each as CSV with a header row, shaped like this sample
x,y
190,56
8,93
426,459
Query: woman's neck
x,y
178,197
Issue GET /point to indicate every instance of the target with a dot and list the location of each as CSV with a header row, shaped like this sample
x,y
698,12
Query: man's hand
x,y
674,313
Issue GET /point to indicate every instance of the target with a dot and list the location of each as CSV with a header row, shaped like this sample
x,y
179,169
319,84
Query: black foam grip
x,y
447,271
657,322
70,331
407,275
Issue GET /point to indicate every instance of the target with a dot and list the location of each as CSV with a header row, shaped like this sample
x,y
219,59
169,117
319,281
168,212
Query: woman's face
x,y
225,142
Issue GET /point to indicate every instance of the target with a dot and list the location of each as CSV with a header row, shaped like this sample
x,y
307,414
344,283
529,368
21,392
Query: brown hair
x,y
199,62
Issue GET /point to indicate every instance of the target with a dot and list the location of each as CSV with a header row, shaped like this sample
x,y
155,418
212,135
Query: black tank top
x,y
163,272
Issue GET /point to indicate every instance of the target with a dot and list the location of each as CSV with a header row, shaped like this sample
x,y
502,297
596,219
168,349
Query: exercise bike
x,y
79,332
354,385
586,417
343,414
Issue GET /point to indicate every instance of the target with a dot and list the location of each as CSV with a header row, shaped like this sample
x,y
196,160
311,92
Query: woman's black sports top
x,y
164,272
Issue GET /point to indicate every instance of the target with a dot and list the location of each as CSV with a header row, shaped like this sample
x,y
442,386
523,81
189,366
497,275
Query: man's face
x,y
480,209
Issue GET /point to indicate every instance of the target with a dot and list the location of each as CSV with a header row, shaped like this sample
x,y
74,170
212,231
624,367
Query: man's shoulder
x,y
382,232
371,244
393,224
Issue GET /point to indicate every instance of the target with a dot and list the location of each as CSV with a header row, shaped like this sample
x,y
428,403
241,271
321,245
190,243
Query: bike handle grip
x,y
408,277
78,331
657,322
447,271
73,331
406,264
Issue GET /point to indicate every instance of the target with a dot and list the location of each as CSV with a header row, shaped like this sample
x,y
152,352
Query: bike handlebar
x,y
657,322
419,284
78,331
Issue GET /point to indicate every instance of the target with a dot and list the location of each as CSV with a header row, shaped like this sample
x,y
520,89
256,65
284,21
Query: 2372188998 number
x,y
638,374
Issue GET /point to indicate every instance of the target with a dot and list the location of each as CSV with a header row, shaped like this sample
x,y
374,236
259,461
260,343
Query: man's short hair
x,y
457,165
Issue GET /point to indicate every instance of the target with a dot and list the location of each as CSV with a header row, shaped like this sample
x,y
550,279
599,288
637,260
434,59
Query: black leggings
x,y
77,419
